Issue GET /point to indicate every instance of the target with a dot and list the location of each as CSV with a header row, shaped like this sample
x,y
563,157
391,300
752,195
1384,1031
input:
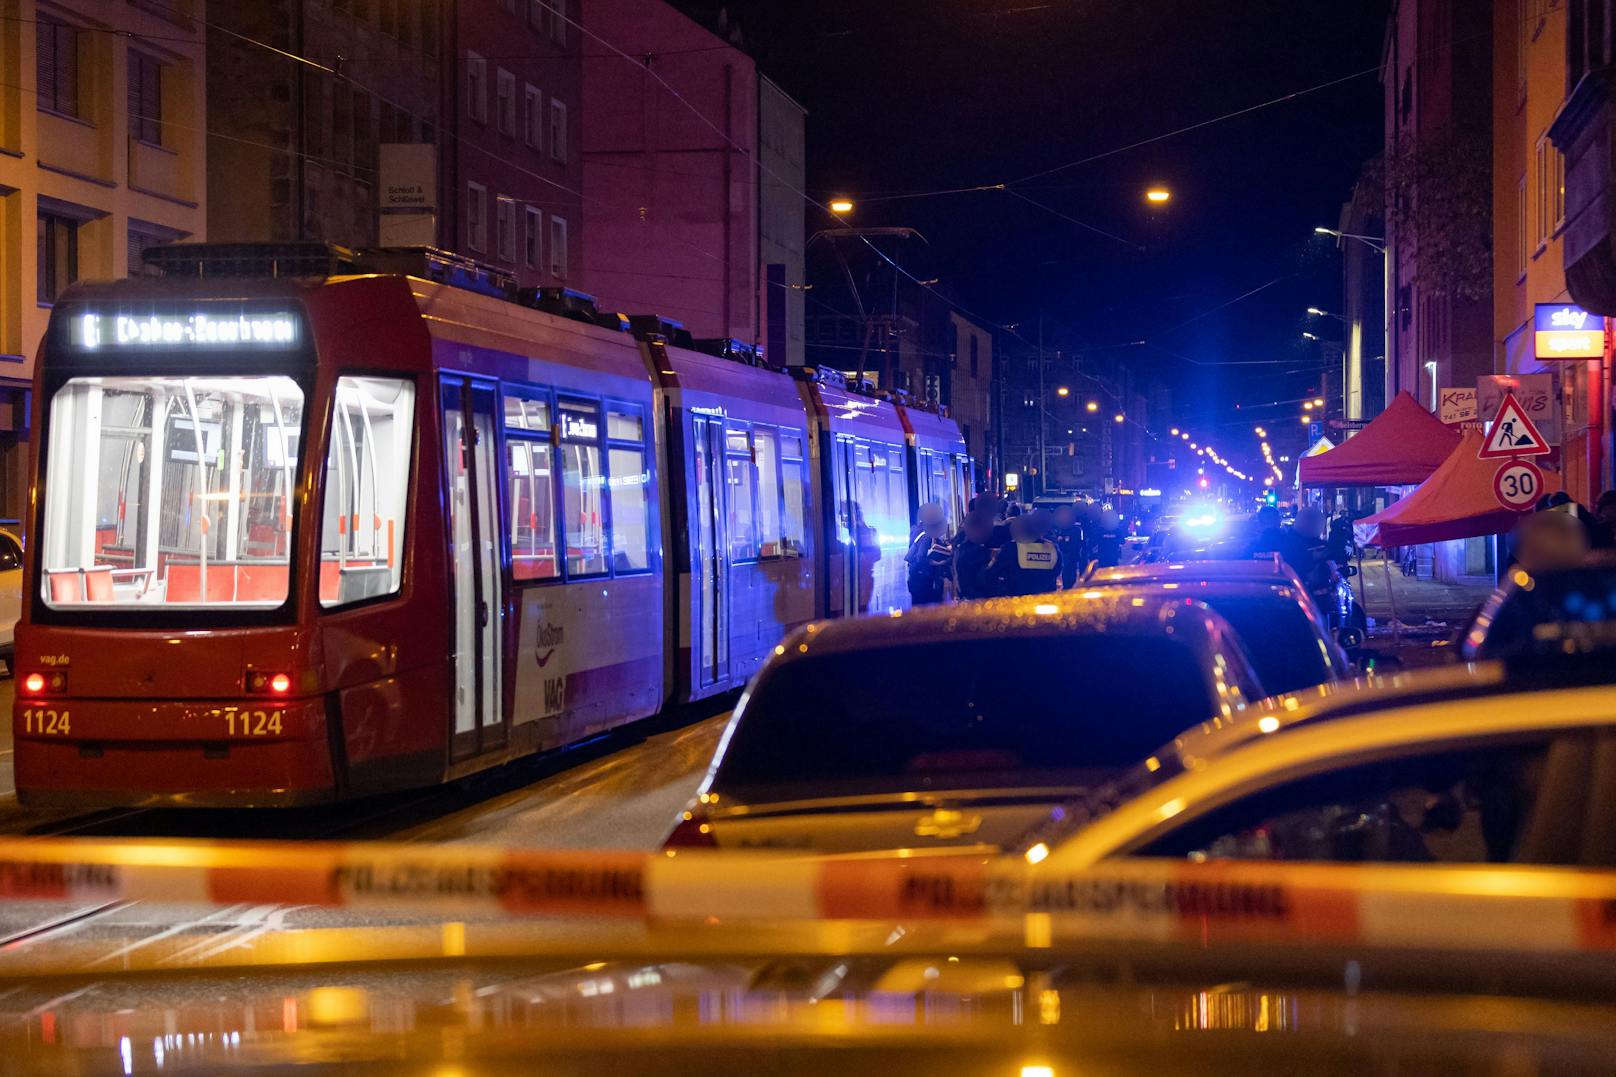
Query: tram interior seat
x,y
69,585
363,581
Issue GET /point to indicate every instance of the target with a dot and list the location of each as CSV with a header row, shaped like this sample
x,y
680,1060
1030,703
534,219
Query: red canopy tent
x,y
1403,445
1455,502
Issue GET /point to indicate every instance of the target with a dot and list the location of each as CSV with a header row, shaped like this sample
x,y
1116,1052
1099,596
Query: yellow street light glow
x,y
1158,195
1063,391
1186,436
1318,402
1093,405
1307,405
1037,854
1261,432
1175,431
1117,418
841,205
1307,420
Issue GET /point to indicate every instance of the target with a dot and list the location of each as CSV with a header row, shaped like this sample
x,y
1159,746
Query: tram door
x,y
471,449
707,539
846,515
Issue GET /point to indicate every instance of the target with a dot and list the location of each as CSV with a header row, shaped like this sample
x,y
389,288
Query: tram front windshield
x,y
170,492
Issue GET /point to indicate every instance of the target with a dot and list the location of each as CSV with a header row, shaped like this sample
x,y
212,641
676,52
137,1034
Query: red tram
x,y
309,524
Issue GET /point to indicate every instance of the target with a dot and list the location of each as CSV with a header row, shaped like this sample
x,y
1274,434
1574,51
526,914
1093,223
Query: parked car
x,y
10,594
1279,627
1491,764
960,725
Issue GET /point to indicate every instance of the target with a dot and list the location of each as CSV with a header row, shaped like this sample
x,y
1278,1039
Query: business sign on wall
x,y
1533,392
1565,331
409,177
1456,405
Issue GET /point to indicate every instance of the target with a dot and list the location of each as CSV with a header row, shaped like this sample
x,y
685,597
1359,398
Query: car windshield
x,y
170,491
1278,638
979,712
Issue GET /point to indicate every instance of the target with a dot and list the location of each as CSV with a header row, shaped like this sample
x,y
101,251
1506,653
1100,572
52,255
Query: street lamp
x,y
841,206
1375,243
1158,195
1063,391
1175,431
1261,432
1118,417
1310,336
1092,405
1318,402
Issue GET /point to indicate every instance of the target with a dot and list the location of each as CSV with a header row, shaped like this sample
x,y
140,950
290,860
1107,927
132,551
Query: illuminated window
x,y
367,478
794,488
630,488
530,458
582,488
765,449
170,491
740,497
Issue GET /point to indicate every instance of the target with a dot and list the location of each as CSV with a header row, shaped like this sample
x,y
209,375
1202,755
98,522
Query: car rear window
x,y
985,713
1283,647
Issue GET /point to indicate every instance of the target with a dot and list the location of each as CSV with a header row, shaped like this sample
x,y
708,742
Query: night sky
x,y
919,95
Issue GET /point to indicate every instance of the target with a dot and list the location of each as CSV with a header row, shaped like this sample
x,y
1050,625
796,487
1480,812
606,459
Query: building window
x,y
476,216
57,53
1522,250
58,255
531,245
533,128
558,248
558,130
974,355
142,239
145,99
476,87
558,21
505,222
506,104
1549,177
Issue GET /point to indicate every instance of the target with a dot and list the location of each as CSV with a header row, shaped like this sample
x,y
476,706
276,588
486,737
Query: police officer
x,y
1029,564
930,558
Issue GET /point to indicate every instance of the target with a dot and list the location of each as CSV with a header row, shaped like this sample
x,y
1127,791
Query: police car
x,y
1566,610
1489,763
959,726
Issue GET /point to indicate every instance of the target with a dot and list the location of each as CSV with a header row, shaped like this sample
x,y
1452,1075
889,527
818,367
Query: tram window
x,y
533,528
766,450
624,424
582,488
631,524
524,414
741,499
170,491
795,488
367,479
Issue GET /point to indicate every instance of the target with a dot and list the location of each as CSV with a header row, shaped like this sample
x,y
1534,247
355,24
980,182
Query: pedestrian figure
x,y
930,557
973,549
1108,539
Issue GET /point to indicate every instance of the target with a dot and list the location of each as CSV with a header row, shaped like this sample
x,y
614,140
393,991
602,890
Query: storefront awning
x,y
1455,502
1403,445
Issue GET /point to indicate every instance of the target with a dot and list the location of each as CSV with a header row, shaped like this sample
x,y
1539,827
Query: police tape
x,y
1427,906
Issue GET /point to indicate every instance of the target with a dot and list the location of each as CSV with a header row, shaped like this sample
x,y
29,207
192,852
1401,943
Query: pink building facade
x,y
511,175
672,221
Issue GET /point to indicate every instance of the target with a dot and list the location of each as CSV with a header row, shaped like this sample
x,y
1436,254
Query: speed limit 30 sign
x,y
1518,484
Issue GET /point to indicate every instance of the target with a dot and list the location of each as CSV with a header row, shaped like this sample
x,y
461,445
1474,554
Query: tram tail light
x,y
266,683
35,684
693,832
